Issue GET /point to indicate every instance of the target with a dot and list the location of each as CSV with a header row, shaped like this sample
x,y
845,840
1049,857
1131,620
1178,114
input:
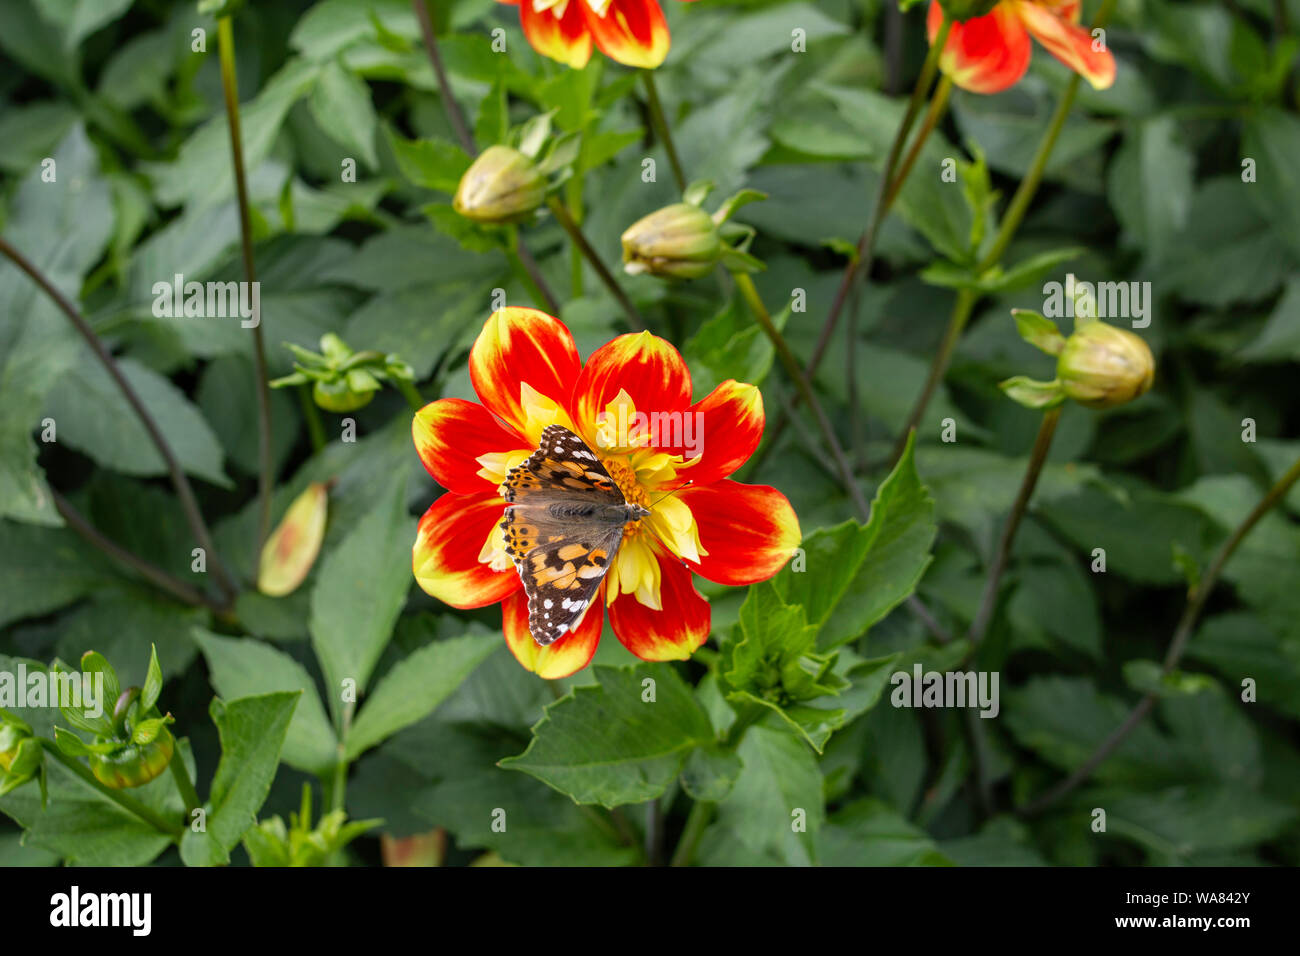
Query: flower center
x,y
625,478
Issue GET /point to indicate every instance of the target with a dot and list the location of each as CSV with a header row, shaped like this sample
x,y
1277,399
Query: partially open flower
x,y
1103,366
501,186
679,241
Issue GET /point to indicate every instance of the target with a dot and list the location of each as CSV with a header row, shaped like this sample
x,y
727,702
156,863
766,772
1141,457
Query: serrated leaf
x,y
602,743
252,731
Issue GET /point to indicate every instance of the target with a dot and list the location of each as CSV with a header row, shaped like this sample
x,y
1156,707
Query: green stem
x,y
545,298
410,393
185,786
796,374
697,821
887,189
150,572
1177,645
562,216
125,801
660,121
230,91
315,428
1011,220
938,106
1037,458
189,504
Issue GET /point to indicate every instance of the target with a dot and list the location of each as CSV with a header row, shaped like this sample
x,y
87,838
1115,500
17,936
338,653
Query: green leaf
x,y
1148,677
870,833
252,730
609,743
153,681
431,163
857,574
1272,139
710,773
340,103
360,590
415,686
63,229
1032,393
776,806
78,19
242,667
201,175
1038,331
94,417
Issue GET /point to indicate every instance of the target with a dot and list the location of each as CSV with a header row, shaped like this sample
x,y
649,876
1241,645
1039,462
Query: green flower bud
x,y
1102,366
679,241
962,10
337,396
134,765
501,186
20,753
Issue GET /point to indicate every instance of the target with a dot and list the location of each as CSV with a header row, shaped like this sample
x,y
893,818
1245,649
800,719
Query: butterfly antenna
x,y
668,494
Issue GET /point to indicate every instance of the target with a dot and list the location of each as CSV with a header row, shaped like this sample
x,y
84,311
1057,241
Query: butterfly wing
x,y
555,533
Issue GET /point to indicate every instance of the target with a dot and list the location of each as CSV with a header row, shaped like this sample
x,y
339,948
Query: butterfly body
x,y
564,521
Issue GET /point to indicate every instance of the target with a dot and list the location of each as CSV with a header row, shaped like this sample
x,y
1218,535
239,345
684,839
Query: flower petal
x,y
724,429
985,54
451,434
520,347
1069,43
567,655
631,32
649,369
445,558
749,531
672,634
563,38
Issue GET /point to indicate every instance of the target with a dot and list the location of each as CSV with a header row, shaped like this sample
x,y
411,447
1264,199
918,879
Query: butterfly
x,y
563,525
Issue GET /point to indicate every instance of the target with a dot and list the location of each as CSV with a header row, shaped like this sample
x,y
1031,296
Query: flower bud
x,y
292,547
679,241
501,186
20,753
962,10
1103,366
134,765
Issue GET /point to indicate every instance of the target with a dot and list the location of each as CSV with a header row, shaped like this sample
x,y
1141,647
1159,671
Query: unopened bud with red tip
x,y
501,186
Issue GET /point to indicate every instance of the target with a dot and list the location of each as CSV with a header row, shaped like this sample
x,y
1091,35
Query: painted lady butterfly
x,y
563,525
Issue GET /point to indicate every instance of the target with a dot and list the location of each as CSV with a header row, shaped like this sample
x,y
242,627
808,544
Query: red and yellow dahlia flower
x,y
631,32
988,54
525,369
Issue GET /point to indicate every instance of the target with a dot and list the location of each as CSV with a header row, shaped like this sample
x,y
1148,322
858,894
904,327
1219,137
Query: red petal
x,y
728,428
672,634
632,32
450,434
520,346
566,655
649,368
561,38
749,531
1069,43
985,54
447,545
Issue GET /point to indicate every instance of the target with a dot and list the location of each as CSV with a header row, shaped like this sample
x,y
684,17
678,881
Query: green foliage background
x,y
1146,184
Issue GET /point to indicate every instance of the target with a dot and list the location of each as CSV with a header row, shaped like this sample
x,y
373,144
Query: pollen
x,y
625,478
